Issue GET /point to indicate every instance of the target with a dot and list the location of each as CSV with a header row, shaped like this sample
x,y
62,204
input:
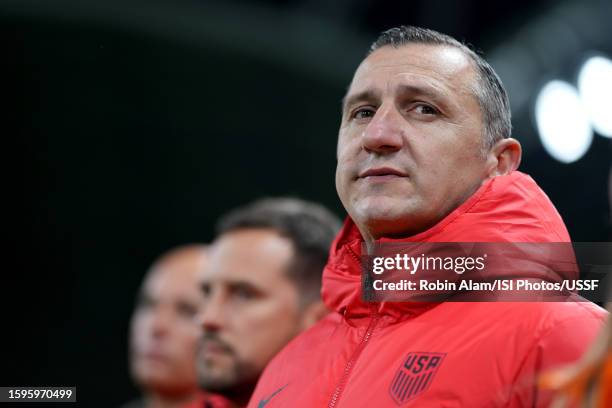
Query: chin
x,y
383,216
374,209
156,380
217,382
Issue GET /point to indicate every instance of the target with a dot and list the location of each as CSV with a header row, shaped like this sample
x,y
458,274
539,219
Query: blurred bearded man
x,y
261,288
164,330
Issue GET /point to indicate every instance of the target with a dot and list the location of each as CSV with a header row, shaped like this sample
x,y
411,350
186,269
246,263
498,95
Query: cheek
x,y
267,328
462,157
272,314
186,347
183,338
189,335
454,176
138,331
340,182
349,146
346,168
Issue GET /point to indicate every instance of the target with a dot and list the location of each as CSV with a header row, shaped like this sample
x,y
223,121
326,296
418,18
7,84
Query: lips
x,y
382,173
210,346
155,355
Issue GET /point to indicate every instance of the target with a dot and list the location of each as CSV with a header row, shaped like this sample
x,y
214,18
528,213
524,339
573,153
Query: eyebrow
x,y
349,100
228,283
428,91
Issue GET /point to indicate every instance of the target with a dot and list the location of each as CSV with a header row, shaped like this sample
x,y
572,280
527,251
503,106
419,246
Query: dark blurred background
x,y
131,126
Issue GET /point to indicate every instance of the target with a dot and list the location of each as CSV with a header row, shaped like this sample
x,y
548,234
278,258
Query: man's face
x,y
250,310
410,141
164,329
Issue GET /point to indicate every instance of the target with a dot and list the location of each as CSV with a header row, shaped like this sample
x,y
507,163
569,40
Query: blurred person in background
x,y
588,383
164,330
261,288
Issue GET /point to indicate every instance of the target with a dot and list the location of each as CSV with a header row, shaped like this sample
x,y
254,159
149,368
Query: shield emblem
x,y
415,375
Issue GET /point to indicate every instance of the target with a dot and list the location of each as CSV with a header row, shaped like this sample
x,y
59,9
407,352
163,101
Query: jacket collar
x,y
508,208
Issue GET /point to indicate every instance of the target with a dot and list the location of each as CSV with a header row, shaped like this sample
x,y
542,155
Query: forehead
x,y
249,255
174,279
440,67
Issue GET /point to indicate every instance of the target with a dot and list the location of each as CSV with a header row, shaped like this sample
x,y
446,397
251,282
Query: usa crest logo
x,y
415,375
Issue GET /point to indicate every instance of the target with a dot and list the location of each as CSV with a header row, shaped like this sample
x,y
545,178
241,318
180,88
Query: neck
x,y
240,397
238,402
158,400
369,242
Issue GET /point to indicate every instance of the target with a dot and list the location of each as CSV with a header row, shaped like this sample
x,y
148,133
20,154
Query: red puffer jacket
x,y
435,354
208,400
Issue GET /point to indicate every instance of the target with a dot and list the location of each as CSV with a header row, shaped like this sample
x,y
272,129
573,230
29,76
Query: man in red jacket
x,y
260,289
425,155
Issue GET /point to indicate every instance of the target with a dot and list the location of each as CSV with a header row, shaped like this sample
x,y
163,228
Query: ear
x,y
312,313
504,157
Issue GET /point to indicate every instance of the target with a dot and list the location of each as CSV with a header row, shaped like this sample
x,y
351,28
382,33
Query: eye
x,y
424,109
205,289
244,293
186,310
363,113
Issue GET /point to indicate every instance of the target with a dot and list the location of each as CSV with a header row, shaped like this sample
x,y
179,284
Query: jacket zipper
x,y
364,341
351,363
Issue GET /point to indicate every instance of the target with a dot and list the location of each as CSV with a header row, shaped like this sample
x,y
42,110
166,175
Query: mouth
x,y
382,174
212,347
154,355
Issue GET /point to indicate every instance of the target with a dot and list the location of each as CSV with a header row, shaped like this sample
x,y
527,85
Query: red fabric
x,y
491,351
208,400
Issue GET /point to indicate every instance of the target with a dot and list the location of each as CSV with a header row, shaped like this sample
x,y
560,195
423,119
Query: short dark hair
x,y
489,90
310,227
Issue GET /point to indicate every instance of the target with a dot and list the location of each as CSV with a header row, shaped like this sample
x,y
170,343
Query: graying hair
x,y
489,90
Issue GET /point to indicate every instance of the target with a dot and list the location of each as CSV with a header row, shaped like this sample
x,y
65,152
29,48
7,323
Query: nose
x,y
384,132
160,323
211,316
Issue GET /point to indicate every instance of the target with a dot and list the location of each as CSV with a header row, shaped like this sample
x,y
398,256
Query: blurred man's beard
x,y
237,376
